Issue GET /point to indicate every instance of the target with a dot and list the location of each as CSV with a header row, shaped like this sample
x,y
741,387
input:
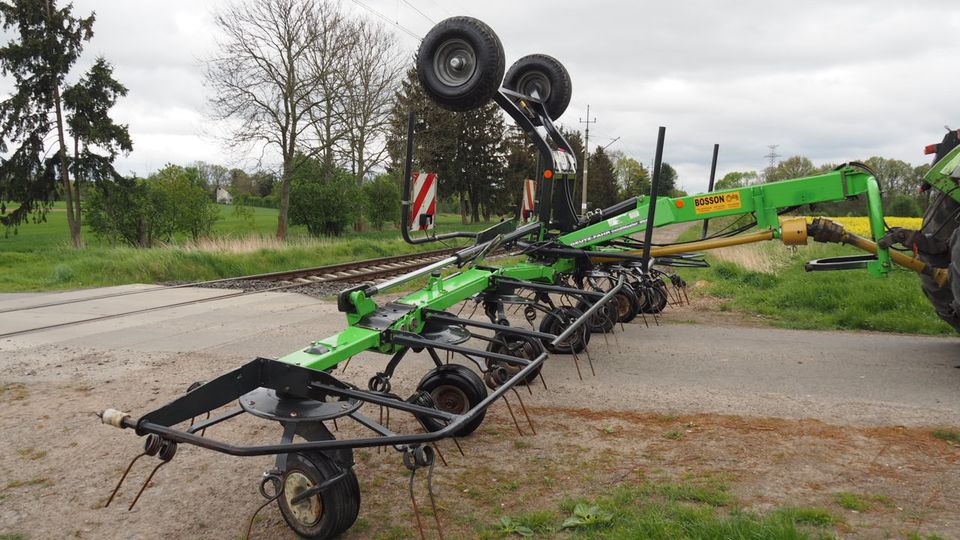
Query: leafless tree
x,y
374,69
264,80
330,61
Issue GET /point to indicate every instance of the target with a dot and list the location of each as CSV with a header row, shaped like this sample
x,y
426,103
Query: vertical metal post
x,y
652,207
586,161
713,176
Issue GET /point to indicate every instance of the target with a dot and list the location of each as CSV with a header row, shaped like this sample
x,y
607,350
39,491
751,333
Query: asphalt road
x,y
837,377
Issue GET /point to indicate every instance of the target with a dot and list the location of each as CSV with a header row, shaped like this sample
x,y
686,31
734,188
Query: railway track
x,y
352,272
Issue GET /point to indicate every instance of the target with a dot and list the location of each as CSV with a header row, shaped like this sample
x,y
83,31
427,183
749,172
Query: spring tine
x,y
645,323
346,365
462,306
335,426
440,454
204,430
576,362
617,341
529,389
416,511
433,503
456,442
509,408
261,507
687,298
542,380
380,448
590,361
524,409
145,484
122,478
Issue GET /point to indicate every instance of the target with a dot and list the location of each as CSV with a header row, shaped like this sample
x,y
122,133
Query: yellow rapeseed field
x,y
860,225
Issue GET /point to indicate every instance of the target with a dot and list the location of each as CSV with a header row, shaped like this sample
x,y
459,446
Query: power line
x,y
422,14
409,32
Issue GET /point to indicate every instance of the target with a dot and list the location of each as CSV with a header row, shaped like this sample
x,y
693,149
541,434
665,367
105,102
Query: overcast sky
x,y
833,81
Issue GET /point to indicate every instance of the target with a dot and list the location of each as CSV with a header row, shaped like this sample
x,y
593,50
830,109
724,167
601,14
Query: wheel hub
x,y
455,62
450,399
307,511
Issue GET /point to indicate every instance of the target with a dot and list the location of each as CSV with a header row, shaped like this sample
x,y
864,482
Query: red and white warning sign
x,y
424,207
526,205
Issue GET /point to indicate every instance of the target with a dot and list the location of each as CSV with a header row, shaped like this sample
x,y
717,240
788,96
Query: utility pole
x,y
586,160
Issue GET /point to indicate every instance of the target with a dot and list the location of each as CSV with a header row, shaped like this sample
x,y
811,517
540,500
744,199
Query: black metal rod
x,y
449,430
548,288
652,208
512,330
414,340
589,313
713,176
199,426
405,196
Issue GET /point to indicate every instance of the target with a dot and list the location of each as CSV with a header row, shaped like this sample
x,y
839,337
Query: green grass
x,y
790,297
39,257
948,435
674,510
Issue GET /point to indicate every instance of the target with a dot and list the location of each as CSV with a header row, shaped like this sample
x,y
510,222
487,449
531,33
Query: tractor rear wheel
x,y
460,64
941,217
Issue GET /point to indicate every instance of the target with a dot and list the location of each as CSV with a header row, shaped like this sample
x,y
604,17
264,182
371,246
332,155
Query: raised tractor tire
x,y
460,64
544,76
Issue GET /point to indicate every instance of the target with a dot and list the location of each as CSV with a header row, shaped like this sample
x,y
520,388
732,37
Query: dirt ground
x,y
58,464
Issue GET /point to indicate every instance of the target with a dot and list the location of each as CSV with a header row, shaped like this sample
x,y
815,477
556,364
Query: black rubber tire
x,y
457,35
519,347
552,324
338,505
946,299
603,320
454,388
628,304
546,74
653,299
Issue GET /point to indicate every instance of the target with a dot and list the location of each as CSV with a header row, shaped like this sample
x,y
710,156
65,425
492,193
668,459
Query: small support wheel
x,y
322,514
454,389
545,76
460,64
653,297
516,346
603,320
628,304
555,322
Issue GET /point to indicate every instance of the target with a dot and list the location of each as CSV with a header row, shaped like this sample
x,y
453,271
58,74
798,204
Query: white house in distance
x,y
223,196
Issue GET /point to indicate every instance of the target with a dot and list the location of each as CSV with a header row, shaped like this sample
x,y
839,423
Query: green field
x,y
39,257
769,280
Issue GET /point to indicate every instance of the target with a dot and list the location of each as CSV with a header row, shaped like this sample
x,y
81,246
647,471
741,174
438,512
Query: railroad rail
x,y
357,271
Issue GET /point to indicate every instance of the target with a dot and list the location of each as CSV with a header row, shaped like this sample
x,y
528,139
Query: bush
x,y
325,207
904,206
142,212
381,200
130,211
189,207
